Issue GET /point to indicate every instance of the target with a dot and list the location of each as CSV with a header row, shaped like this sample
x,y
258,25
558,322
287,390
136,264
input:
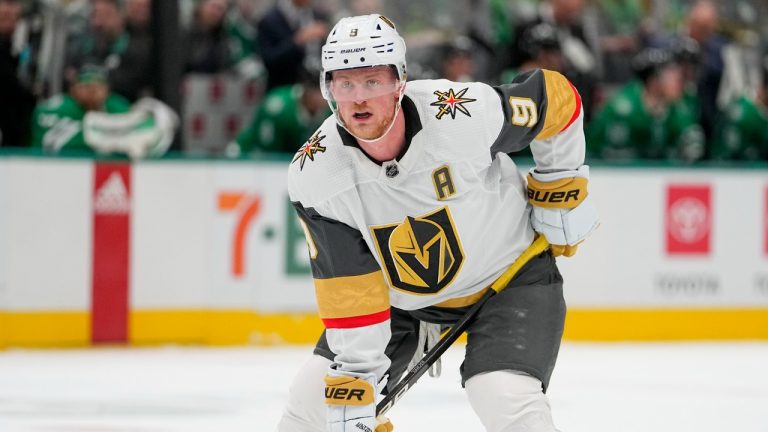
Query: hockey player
x,y
741,132
647,118
284,119
412,209
92,119
57,123
540,46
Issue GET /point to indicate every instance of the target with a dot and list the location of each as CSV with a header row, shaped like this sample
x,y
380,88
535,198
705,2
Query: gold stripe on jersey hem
x,y
347,296
462,301
561,103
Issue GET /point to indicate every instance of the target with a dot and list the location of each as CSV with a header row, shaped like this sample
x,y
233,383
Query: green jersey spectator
x,y
647,118
242,35
742,132
286,118
220,40
57,123
685,128
540,46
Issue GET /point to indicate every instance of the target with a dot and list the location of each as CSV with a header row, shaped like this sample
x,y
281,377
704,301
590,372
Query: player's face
x,y
672,82
90,96
366,99
9,16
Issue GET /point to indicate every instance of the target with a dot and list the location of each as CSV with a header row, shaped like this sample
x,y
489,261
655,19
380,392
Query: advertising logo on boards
x,y
111,252
111,196
246,207
688,219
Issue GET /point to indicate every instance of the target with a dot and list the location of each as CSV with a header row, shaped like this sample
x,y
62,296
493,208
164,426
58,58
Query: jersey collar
x,y
412,127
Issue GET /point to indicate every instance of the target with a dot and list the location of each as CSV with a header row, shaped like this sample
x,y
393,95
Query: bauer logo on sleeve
x,y
421,254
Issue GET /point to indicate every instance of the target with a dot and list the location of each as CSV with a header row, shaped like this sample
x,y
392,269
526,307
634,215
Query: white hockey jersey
x,y
440,223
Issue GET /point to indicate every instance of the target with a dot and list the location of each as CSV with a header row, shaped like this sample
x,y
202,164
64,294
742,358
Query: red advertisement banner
x,y
688,219
111,252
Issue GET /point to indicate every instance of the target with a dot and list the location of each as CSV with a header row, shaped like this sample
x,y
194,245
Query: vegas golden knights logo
x,y
422,254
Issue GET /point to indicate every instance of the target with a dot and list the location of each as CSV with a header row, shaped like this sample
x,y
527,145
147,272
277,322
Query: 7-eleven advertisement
x,y
688,219
111,252
259,252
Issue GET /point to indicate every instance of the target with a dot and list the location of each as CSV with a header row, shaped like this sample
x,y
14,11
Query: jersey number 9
x,y
524,112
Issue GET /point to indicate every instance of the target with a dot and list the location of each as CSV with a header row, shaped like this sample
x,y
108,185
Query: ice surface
x,y
596,387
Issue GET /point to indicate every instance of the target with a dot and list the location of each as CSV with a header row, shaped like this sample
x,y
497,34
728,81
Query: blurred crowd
x,y
680,80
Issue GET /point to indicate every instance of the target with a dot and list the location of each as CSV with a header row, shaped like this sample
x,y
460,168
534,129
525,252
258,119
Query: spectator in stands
x,y
458,60
220,40
16,99
285,119
539,49
242,18
207,42
492,25
241,26
138,15
133,77
577,46
619,24
742,130
57,122
105,42
290,36
701,26
645,119
688,54
92,119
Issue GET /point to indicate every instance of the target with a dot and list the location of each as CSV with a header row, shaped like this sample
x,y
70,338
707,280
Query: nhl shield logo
x,y
422,254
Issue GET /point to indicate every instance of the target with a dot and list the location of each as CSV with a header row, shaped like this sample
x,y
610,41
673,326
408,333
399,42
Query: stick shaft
x,y
431,357
537,247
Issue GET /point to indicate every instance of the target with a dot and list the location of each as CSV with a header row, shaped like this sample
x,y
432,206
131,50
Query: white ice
x,y
596,387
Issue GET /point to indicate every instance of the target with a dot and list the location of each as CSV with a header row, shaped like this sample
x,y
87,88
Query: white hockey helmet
x,y
364,41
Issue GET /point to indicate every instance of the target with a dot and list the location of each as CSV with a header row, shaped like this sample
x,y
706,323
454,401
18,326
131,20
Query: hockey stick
x,y
538,246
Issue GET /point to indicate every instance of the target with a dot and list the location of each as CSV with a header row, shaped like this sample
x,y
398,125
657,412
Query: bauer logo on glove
x,y
563,193
345,390
351,401
561,208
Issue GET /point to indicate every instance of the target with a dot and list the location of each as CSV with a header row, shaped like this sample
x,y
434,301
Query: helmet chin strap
x,y
391,123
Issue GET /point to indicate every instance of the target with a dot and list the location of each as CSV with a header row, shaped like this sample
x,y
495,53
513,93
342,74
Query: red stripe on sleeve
x,y
577,111
357,321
